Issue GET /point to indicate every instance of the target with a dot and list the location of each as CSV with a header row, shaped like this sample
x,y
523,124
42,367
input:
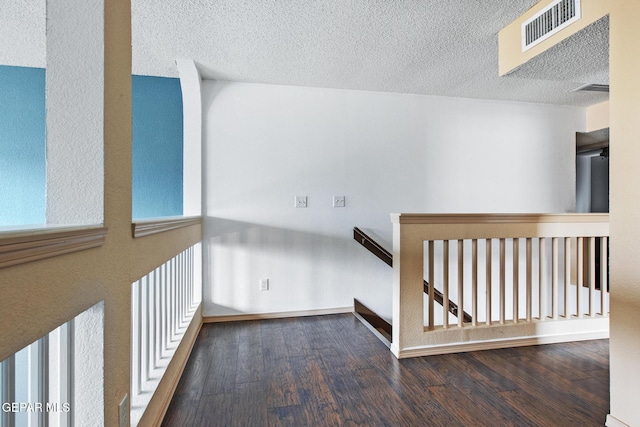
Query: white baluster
x,y
431,284
554,278
445,284
503,267
580,269
604,264
542,279
529,281
516,280
567,276
488,280
460,282
474,282
592,276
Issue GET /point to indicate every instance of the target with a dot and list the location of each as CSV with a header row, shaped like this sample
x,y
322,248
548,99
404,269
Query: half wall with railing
x,y
524,278
163,303
56,380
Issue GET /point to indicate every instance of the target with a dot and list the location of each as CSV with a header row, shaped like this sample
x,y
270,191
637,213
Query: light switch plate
x,y
301,201
264,284
338,201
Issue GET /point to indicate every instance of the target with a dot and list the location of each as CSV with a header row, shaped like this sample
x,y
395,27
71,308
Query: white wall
x,y
265,144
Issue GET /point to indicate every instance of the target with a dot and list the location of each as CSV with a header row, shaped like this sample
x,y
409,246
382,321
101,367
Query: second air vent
x,y
550,20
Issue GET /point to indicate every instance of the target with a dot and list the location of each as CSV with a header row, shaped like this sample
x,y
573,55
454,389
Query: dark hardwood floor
x,y
331,371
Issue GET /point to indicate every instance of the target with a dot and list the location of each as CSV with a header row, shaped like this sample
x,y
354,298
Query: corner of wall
x,y
597,116
191,84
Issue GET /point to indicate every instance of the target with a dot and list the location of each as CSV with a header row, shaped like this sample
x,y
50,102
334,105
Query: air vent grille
x,y
549,21
592,88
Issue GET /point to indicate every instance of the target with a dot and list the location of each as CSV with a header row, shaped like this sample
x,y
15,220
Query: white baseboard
x,y
496,344
173,385
395,350
277,315
614,422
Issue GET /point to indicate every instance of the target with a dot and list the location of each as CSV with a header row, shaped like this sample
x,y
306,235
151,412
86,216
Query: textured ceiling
x,y
433,47
582,58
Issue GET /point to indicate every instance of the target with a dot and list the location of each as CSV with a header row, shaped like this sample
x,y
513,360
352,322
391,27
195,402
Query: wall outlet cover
x,y
338,201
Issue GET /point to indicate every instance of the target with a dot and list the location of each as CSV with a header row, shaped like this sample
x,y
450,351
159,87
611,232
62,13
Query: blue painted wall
x,y
156,156
157,147
22,146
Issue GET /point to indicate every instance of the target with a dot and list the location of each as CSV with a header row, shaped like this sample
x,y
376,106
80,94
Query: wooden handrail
x,y
372,246
439,298
386,256
513,218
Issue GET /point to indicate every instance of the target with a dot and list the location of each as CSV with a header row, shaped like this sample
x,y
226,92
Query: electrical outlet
x,y
264,284
123,412
338,201
301,201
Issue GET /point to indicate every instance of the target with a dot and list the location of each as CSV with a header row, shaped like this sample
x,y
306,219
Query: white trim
x,y
32,245
147,227
395,350
614,422
497,344
276,315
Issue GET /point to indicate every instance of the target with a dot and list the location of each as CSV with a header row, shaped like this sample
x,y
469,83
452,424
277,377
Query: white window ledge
x,y
19,247
147,227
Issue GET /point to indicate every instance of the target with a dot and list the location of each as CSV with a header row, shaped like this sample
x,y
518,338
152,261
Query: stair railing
x,y
525,279
386,256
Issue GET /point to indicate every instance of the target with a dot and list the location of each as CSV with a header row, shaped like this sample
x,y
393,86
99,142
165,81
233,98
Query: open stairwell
x,y
466,282
379,324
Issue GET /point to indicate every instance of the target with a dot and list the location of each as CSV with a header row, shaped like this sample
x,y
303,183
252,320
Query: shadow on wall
x,y
306,271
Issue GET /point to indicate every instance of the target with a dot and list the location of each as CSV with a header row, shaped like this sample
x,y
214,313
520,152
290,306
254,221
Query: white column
x,y
75,112
190,83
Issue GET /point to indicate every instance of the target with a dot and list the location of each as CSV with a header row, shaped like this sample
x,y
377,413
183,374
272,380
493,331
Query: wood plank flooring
x,y
331,371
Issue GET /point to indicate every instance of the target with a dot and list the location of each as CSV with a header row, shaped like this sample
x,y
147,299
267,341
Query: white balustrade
x,y
509,273
38,384
163,304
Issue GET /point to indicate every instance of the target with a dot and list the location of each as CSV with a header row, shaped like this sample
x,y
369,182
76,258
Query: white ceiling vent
x,y
592,87
550,20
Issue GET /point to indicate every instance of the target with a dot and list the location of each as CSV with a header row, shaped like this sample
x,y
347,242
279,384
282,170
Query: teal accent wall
x,y
22,146
157,147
